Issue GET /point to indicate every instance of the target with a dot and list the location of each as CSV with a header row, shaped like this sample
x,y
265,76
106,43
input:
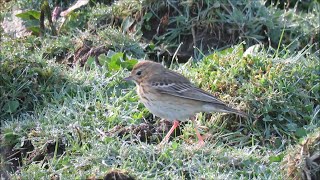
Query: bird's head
x,y
144,70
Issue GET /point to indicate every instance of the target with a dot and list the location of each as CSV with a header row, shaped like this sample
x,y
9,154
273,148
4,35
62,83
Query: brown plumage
x,y
171,96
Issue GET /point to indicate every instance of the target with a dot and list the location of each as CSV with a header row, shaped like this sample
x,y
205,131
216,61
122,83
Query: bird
x,y
171,96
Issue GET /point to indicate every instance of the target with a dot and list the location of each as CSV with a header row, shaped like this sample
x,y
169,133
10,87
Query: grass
x,y
67,122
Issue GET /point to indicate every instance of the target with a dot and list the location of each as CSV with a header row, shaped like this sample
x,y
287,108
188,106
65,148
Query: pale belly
x,y
171,111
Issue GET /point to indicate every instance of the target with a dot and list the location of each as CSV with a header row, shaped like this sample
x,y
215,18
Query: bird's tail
x,y
240,113
224,108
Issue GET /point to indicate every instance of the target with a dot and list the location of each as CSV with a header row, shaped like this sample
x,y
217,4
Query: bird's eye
x,y
139,73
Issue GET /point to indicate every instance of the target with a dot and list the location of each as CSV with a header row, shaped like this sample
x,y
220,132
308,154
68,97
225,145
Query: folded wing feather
x,y
179,86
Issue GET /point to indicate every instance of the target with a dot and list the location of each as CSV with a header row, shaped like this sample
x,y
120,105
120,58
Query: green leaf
x,y
129,63
147,16
29,15
34,29
114,66
152,46
11,106
115,61
301,132
117,57
127,23
277,158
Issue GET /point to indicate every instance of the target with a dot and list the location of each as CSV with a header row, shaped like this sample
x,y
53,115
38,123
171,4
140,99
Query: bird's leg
x,y
174,126
201,142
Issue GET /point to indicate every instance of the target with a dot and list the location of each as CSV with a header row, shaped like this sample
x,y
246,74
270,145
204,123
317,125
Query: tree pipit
x,y
171,96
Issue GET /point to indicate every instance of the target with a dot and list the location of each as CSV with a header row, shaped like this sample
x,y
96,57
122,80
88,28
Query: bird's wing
x,y
174,84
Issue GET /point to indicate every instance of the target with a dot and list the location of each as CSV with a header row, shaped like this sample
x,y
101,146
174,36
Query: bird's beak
x,y
129,78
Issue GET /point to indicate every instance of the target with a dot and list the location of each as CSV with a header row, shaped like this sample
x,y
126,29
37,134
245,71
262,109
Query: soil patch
x,y
144,132
13,156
